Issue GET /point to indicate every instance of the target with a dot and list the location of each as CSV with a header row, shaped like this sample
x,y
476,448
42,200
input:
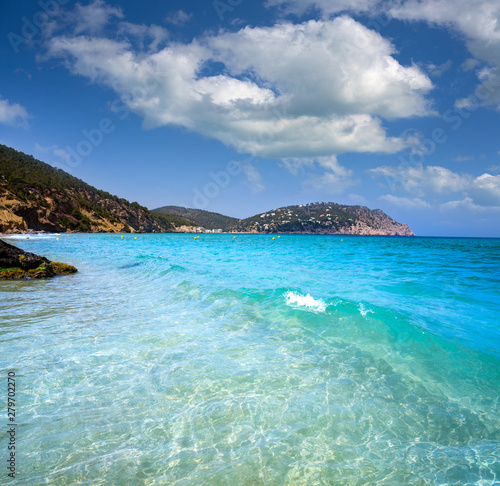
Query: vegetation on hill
x,y
323,218
199,217
37,196
19,172
171,219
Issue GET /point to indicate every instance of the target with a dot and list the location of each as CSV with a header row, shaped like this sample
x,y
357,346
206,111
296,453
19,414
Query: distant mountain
x,y
37,196
172,219
199,217
323,218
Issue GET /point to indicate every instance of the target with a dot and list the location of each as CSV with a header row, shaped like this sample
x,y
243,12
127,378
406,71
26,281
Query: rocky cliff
x,y
324,218
72,210
37,197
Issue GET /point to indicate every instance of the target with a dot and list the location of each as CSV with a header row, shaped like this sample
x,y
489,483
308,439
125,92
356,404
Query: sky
x,y
240,107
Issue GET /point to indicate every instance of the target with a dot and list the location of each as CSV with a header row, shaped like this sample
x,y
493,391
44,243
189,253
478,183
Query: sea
x,y
246,360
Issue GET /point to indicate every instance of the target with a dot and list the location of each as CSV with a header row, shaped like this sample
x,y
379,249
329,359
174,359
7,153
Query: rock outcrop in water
x,y
17,264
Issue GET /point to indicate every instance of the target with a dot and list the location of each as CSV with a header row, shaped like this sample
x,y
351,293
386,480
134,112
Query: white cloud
x,y
332,179
420,180
326,67
93,17
405,202
98,18
438,70
467,205
13,114
470,64
477,20
328,7
465,103
439,181
148,37
485,190
178,18
307,90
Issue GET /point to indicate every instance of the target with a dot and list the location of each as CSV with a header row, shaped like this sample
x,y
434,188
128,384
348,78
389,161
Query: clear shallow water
x,y
308,360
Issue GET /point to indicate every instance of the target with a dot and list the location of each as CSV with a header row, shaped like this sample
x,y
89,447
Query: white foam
x,y
45,236
364,311
308,301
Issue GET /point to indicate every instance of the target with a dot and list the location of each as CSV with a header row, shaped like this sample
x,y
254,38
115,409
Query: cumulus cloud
x,y
485,190
13,114
478,21
421,181
306,90
325,67
475,18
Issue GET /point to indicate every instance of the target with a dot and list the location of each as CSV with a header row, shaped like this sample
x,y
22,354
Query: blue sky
x,y
240,107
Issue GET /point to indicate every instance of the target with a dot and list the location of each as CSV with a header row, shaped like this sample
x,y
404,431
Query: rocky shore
x,y
18,264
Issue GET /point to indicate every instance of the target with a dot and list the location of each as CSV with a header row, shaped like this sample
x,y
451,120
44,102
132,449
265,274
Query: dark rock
x,y
63,268
16,264
11,257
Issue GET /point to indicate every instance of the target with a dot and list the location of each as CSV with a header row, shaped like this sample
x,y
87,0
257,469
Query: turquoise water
x,y
307,360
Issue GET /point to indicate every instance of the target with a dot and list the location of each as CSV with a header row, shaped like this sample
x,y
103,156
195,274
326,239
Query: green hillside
x,y
169,218
323,218
19,172
199,217
36,196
